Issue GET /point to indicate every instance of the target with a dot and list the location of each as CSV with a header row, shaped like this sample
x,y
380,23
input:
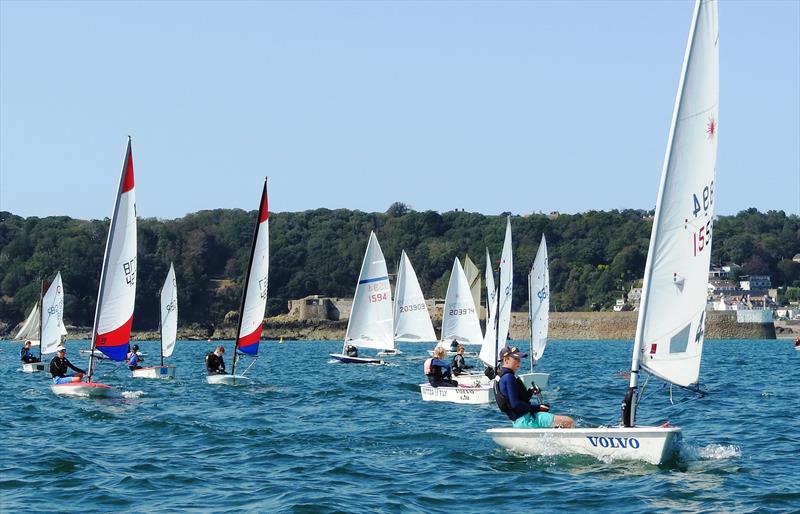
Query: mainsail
x,y
460,318
505,290
670,329
115,299
412,322
539,302
254,296
169,314
371,319
473,275
53,316
30,328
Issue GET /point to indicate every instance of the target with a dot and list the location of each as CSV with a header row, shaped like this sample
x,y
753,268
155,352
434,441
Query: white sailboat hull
x,y
479,395
453,354
232,380
355,360
654,445
540,379
32,367
164,372
389,352
84,390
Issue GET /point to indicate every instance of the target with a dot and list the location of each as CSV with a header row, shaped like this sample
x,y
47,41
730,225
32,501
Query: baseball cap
x,y
512,351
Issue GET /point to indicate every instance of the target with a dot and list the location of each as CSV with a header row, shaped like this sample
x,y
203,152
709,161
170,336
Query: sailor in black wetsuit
x,y
25,354
351,351
60,365
459,364
214,362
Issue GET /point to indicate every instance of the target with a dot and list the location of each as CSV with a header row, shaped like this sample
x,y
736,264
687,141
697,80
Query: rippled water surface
x,y
313,436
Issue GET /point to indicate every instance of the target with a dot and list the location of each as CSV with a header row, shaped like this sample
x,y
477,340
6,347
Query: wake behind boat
x,y
670,328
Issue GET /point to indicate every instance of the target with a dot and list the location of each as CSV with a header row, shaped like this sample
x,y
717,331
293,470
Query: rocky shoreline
x,y
563,325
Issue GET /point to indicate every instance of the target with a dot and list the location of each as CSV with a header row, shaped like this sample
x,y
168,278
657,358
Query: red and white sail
x,y
254,299
117,292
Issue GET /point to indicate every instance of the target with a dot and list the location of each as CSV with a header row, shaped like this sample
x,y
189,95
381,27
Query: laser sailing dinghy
x,y
371,318
460,322
168,326
670,328
538,315
113,317
48,323
412,321
254,300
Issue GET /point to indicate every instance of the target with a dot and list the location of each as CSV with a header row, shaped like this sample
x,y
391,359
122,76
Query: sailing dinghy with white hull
x,y
670,329
459,322
254,299
538,315
412,322
371,319
111,330
168,323
49,323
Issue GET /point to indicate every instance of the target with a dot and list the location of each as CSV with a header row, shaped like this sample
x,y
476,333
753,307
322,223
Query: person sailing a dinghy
x,y
350,350
215,364
437,370
459,365
59,366
515,400
133,358
25,354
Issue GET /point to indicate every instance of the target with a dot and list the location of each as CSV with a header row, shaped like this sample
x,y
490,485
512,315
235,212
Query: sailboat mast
x,y
630,401
161,326
530,317
106,258
41,318
247,276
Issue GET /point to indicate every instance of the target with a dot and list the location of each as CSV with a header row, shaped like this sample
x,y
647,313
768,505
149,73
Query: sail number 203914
x,y
702,203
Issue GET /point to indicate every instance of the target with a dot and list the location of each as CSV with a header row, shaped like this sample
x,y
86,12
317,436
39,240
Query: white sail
x,y
487,353
412,322
505,290
539,301
670,330
460,319
30,328
254,300
169,313
53,316
473,275
371,319
117,292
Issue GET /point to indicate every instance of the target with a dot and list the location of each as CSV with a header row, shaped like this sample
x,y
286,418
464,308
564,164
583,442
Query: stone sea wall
x,y
563,325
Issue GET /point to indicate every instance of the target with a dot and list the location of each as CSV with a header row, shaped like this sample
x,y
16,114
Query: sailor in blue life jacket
x,y
437,370
59,366
215,364
515,400
25,354
133,358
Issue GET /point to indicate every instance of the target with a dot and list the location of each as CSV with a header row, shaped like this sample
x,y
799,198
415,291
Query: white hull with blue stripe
x,y
163,372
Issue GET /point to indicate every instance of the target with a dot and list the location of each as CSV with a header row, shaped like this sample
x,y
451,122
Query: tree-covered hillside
x,y
594,256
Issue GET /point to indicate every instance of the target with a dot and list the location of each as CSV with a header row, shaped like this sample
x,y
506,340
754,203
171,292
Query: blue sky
x,y
485,106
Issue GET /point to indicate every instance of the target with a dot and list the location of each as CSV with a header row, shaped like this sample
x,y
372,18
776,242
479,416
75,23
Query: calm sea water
x,y
313,436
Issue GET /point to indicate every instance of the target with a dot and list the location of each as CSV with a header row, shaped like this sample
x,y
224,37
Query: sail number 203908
x,y
702,203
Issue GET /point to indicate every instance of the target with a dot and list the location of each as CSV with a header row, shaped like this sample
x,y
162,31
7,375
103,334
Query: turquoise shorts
x,y
540,420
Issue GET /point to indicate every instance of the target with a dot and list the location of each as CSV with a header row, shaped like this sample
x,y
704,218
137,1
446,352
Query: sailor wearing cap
x,y
515,400
59,366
